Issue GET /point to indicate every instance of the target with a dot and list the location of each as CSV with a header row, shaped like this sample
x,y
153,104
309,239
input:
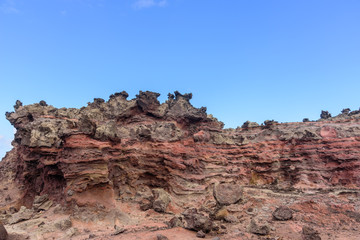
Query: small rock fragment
x,y
145,204
308,233
221,214
258,228
118,230
63,224
72,232
230,219
175,222
161,237
283,213
200,234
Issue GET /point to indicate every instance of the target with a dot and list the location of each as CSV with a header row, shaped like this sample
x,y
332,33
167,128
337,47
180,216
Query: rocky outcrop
x,y
174,158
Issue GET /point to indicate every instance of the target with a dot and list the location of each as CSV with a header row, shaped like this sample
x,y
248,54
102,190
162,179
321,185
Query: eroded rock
x,y
283,213
196,221
227,193
3,232
308,233
22,215
258,227
161,200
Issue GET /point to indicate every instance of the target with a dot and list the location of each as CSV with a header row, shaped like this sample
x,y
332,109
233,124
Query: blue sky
x,y
242,59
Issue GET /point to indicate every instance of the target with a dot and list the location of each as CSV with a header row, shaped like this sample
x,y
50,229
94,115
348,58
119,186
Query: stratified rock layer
x,y
110,150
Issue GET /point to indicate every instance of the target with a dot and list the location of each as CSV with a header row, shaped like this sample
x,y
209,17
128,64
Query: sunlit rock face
x,y
112,150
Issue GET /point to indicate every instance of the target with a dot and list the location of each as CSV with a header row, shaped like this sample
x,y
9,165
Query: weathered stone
x,y
175,222
249,124
259,228
42,203
161,200
118,230
308,233
200,234
161,237
227,193
71,232
221,213
325,115
22,215
196,221
3,232
283,213
63,224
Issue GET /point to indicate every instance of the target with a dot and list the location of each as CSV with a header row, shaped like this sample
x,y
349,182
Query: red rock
x,y
99,156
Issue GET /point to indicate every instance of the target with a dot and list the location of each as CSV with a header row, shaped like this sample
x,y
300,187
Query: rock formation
x,y
175,161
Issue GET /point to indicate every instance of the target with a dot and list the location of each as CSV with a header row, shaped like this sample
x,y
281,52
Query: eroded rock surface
x,y
164,159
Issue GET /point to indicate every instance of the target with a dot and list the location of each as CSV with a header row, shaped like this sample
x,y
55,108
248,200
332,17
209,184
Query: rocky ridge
x,y
175,165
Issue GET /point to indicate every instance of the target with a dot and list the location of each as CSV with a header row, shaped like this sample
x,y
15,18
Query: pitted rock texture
x,y
110,150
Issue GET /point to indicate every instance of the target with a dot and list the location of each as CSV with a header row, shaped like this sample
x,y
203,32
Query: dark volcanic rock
x,y
3,232
200,234
259,228
309,233
196,221
282,213
325,115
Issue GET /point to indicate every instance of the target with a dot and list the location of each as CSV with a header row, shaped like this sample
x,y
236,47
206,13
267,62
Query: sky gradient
x,y
242,59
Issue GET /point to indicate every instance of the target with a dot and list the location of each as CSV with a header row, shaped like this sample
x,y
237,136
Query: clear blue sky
x,y
242,59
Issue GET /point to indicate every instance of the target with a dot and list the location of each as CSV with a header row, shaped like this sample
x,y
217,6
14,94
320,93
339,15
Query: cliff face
x,y
121,149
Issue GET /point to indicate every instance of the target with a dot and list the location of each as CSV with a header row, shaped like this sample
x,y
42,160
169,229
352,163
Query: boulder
x,y
249,124
161,200
227,193
283,213
196,221
325,115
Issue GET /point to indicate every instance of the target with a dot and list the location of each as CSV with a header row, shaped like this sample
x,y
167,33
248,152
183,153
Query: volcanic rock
x,y
259,228
309,233
3,232
161,237
22,215
161,200
227,193
282,213
196,221
109,160
200,234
